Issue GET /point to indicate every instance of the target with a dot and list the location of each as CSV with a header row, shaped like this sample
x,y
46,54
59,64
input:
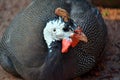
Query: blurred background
x,y
109,67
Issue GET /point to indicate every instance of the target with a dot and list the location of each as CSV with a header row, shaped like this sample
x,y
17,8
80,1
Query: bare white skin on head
x,y
54,31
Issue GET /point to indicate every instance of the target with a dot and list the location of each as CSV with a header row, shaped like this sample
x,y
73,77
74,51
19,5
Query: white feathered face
x,y
55,30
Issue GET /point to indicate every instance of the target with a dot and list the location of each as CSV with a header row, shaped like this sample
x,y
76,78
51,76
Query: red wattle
x,y
75,40
66,43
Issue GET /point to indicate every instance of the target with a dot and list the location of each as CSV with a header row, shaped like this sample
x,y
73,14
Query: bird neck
x,y
54,53
53,62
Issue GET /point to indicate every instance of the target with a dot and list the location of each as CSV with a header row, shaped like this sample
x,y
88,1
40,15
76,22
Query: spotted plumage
x,y
24,52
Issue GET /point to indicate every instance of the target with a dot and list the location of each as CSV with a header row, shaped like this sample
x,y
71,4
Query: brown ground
x,y
107,69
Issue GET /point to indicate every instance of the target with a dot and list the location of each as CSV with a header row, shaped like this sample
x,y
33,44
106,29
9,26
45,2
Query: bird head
x,y
57,30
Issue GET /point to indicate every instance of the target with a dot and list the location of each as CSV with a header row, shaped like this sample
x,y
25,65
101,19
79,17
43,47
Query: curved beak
x,y
83,37
77,37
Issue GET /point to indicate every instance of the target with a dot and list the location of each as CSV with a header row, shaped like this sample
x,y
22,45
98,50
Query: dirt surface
x,y
109,66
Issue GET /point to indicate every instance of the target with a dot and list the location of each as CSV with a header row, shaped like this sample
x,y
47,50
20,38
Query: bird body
x,y
24,52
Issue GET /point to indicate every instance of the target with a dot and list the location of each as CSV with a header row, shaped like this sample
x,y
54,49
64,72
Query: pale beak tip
x,y
83,37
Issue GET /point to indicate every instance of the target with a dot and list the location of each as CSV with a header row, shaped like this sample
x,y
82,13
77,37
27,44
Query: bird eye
x,y
54,30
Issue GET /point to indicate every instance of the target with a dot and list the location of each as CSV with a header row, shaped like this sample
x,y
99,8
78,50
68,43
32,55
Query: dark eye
x,y
66,29
54,30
